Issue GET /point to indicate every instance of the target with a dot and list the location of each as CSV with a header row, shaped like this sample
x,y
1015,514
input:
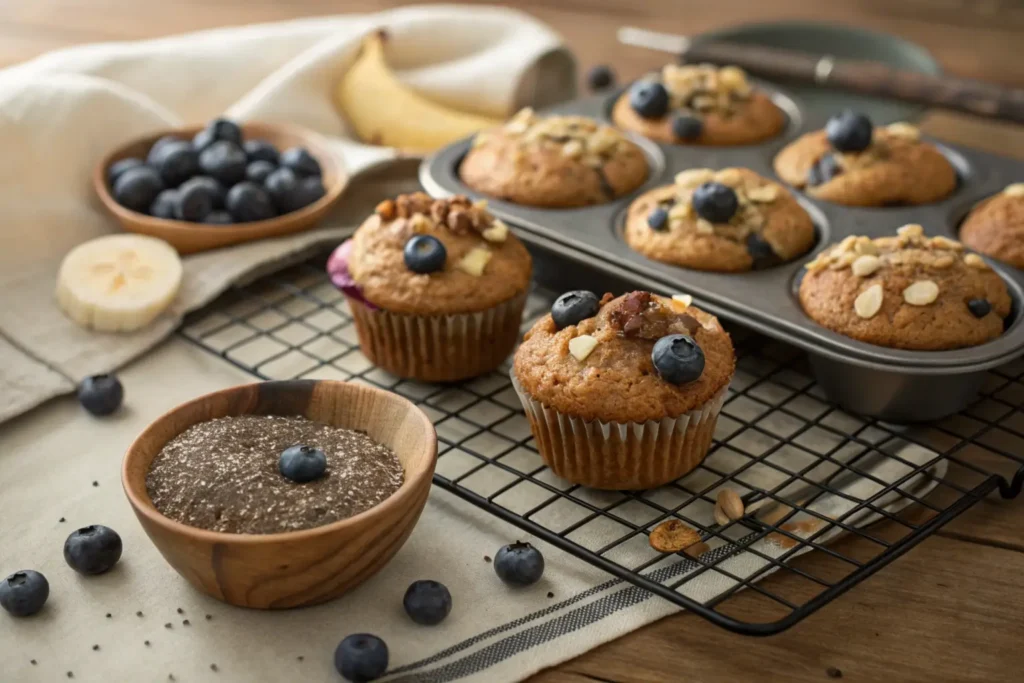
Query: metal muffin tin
x,y
893,384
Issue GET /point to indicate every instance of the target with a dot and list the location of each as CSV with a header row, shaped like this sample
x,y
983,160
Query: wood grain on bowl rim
x,y
296,568
189,238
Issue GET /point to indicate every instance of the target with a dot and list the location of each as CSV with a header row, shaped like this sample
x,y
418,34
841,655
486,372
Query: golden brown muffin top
x,y
485,264
554,161
996,226
907,291
768,228
896,168
615,381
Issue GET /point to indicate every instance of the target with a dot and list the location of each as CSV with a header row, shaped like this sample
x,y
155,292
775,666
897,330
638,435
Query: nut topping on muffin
x,y
906,291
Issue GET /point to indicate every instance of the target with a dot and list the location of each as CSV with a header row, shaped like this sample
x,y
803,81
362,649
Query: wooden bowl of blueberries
x,y
224,183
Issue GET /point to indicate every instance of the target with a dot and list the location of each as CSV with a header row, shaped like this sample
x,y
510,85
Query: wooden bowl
x,y
189,238
297,568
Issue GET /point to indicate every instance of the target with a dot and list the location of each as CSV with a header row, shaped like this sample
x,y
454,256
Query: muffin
x,y
436,287
555,162
623,393
996,226
906,292
699,105
854,163
730,221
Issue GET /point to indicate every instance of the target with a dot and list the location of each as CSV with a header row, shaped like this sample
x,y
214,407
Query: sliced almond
x,y
475,261
975,261
694,177
764,194
940,242
904,130
704,227
581,346
731,504
498,232
921,293
943,261
864,245
672,536
1014,190
868,302
817,264
732,77
846,245
865,265
721,519
729,176
681,210
843,261
910,231
680,302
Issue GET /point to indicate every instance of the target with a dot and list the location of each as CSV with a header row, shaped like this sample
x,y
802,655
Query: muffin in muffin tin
x,y
907,291
731,220
855,163
995,227
699,104
555,162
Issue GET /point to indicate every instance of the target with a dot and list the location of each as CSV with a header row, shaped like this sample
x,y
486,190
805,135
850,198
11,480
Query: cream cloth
x,y
60,113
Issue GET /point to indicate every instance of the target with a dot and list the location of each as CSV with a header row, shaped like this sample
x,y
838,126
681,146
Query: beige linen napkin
x,y
61,112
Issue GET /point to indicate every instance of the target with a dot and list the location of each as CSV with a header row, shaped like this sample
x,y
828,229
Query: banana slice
x,y
118,283
385,111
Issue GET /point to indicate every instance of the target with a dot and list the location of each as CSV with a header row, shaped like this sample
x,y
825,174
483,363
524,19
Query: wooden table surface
x,y
950,610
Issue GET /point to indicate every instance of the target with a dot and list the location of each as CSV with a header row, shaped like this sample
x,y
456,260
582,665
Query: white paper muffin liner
x,y
438,348
617,455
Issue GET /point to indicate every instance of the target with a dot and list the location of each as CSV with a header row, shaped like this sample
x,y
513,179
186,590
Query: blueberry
x,y
249,202
92,549
600,77
574,307
979,308
118,167
164,204
519,564
218,218
24,593
649,99
224,161
257,171
849,131
302,464
157,147
658,219
686,127
761,252
425,254
260,150
195,201
361,657
223,129
678,359
310,190
100,394
823,170
137,187
715,202
282,185
176,162
218,193
202,140
427,602
300,161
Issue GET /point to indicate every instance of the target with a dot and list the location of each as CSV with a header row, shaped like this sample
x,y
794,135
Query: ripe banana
x,y
384,111
118,283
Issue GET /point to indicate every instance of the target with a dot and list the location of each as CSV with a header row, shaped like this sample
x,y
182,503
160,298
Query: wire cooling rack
x,y
859,492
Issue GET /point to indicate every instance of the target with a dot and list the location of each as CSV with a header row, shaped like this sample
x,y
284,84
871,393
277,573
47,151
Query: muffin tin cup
x,y
766,300
438,348
621,456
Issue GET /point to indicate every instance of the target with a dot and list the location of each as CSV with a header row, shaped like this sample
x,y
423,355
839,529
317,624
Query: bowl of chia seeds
x,y
282,494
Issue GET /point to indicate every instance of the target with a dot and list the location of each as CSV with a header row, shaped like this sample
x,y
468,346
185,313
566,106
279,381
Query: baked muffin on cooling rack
x,y
623,393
